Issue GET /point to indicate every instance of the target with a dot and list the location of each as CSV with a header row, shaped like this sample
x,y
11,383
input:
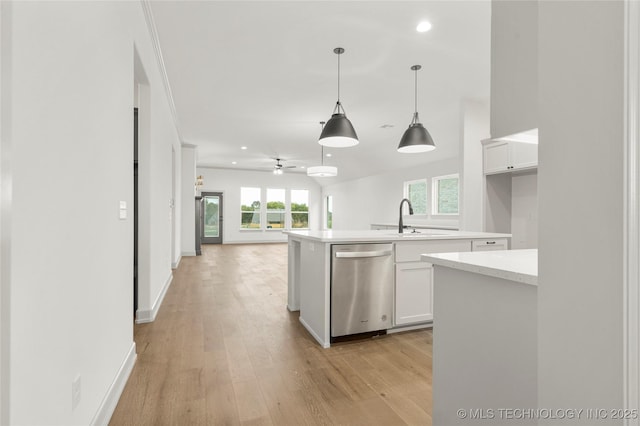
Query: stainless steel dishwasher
x,y
361,288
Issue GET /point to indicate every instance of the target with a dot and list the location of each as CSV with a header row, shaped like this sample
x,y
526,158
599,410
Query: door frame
x,y
219,238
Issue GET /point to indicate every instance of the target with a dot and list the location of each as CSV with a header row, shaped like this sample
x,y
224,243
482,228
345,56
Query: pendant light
x,y
322,170
416,138
339,132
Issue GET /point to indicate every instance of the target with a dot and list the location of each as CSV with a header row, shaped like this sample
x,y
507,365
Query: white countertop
x,y
419,226
514,265
389,235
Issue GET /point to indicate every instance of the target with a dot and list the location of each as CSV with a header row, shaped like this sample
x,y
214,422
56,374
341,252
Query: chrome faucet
x,y
400,224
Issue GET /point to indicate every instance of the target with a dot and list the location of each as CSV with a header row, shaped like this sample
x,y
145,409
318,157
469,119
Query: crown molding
x,y
155,41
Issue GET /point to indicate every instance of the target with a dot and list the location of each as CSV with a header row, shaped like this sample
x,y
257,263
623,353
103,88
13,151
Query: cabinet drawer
x,y
410,251
488,245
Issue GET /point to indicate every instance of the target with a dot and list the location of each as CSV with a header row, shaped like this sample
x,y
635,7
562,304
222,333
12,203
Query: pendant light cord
x,y
415,114
416,93
322,146
338,78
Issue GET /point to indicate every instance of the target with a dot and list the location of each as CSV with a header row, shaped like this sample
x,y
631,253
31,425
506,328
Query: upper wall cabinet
x,y
512,153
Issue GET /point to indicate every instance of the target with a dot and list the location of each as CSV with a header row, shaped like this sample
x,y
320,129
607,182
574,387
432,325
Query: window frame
x,y
259,211
283,211
328,212
291,211
435,195
405,193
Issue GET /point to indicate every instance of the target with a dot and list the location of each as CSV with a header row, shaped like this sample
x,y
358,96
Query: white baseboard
x,y
108,405
313,333
188,253
174,265
400,328
144,316
255,242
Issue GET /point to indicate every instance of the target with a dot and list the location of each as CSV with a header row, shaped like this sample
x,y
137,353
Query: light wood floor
x,y
225,350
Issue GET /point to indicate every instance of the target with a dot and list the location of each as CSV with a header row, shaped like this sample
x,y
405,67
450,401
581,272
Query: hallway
x,y
225,350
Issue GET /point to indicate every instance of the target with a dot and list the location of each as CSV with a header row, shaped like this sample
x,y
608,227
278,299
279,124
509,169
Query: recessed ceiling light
x,y
329,155
234,162
423,27
302,167
243,147
386,126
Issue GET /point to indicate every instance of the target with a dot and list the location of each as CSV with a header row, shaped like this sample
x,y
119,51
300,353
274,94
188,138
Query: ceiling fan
x,y
277,169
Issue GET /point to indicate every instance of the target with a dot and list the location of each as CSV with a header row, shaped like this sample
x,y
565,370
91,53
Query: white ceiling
x,y
263,74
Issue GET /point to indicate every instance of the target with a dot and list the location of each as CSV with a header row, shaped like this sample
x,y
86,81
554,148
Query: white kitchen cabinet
x,y
414,293
502,156
414,279
489,245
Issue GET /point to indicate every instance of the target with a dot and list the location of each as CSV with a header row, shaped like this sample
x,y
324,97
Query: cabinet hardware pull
x,y
491,242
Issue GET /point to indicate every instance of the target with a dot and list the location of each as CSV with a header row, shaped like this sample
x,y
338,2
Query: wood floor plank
x,y
224,350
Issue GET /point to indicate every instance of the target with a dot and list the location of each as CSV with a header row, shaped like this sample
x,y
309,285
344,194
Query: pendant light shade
x,y
322,170
416,138
339,132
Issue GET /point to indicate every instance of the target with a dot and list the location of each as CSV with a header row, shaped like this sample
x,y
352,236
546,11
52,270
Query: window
x,y
299,209
275,208
445,195
329,212
416,192
250,208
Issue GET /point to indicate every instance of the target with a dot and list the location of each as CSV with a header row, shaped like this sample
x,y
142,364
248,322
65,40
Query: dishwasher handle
x,y
360,254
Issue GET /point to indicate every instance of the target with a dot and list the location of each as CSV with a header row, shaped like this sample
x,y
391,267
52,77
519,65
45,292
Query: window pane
x,y
299,208
250,208
329,212
275,220
250,220
448,196
299,220
211,207
417,194
275,208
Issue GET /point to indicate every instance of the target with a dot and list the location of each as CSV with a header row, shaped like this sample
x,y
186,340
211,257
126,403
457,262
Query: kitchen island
x,y
310,263
485,343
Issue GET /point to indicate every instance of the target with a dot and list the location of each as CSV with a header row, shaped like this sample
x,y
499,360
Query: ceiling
x,y
263,74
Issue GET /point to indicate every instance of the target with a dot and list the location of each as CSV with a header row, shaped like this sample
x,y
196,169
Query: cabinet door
x,y
414,293
496,157
523,155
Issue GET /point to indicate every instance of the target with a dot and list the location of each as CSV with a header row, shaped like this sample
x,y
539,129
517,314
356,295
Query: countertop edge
x,y
483,270
392,238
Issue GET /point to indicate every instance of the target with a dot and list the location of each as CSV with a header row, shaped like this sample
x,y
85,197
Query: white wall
x,y
71,257
5,210
580,179
475,127
157,139
376,199
514,66
229,183
188,200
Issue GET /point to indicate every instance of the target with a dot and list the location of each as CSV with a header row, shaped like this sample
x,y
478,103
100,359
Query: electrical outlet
x,y
76,392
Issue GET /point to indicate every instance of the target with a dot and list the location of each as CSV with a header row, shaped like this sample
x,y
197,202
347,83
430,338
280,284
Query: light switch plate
x,y
123,213
123,204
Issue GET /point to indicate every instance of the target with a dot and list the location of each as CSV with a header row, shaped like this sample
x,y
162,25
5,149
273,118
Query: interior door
x,y
211,218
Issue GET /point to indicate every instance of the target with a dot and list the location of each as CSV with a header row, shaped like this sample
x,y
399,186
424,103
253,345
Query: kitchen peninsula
x,y
485,345
410,283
